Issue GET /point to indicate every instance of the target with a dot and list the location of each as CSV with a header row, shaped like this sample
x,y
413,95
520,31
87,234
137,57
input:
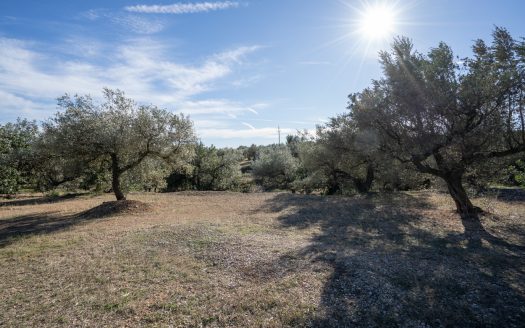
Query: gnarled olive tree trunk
x,y
115,178
333,186
458,193
363,185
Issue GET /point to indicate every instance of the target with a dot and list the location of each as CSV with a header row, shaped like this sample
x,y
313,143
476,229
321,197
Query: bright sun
x,y
377,22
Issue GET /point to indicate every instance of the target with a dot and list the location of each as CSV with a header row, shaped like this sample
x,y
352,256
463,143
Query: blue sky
x,y
238,68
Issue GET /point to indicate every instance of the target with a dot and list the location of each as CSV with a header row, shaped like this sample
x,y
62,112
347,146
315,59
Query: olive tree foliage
x,y
251,152
118,135
216,169
350,154
150,175
332,161
293,142
275,167
210,169
517,173
342,158
9,180
444,117
54,168
16,151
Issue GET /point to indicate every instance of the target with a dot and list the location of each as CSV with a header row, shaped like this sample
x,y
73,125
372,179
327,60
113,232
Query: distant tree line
x,y
432,119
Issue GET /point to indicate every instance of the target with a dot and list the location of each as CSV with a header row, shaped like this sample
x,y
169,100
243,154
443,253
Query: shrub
x,y
275,168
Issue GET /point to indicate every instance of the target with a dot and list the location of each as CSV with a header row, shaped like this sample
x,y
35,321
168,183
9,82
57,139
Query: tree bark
x,y
333,184
463,204
369,176
363,186
115,175
333,188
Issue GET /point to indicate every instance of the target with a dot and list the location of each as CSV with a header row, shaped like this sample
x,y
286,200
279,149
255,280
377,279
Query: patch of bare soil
x,y
118,207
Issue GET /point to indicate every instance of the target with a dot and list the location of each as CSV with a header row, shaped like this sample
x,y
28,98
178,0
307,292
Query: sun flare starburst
x,y
366,27
377,21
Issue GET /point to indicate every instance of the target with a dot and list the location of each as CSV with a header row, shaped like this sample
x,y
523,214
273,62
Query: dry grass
x,y
261,260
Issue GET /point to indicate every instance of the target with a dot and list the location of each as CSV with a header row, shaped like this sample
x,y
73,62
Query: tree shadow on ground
x,y
509,194
391,266
475,233
40,200
43,223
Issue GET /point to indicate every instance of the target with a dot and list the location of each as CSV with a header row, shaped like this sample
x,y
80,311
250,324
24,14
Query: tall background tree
x,y
350,154
275,167
17,141
209,169
118,134
445,116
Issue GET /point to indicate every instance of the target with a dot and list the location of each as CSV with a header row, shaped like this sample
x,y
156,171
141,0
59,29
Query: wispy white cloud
x,y
264,133
301,122
182,8
248,125
93,14
129,22
141,67
138,24
236,55
78,46
217,106
203,123
14,106
31,79
314,62
247,81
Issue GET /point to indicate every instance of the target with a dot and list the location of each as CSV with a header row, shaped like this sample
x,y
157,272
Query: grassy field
x,y
262,260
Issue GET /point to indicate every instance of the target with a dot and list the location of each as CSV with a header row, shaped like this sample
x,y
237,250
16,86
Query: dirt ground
x,y
218,259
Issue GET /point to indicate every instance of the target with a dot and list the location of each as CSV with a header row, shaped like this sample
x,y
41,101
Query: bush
x,y
519,173
275,168
9,180
210,169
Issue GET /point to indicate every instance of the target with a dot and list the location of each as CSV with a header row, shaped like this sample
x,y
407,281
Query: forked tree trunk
x,y
115,178
463,204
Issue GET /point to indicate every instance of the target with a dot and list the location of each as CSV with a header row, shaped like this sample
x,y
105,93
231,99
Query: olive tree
x,y
444,116
150,176
16,151
216,169
117,132
348,153
210,169
275,167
